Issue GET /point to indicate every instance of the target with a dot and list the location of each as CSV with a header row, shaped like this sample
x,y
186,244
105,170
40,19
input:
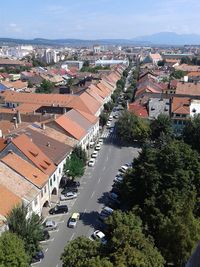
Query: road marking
x,y
48,240
99,180
32,264
46,250
53,231
72,236
61,221
104,168
85,210
92,194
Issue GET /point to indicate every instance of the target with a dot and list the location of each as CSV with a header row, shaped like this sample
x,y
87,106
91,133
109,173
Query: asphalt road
x,y
95,185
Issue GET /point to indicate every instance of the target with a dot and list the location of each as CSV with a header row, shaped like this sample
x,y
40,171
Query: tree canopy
x,y
163,187
161,125
28,228
191,132
12,252
130,128
74,166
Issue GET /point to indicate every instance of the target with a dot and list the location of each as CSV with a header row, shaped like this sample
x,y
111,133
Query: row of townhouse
x,y
46,129
178,99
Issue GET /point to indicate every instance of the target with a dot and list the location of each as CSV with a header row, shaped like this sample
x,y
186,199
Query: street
x,y
95,185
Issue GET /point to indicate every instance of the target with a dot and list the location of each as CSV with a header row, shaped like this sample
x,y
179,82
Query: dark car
x,y
72,183
38,256
45,235
69,189
59,209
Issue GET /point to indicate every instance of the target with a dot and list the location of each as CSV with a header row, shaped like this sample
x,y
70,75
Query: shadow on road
x,y
104,198
90,218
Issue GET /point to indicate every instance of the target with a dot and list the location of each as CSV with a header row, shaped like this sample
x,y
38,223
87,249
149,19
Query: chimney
x,y
48,144
1,134
19,120
64,111
15,122
54,116
43,126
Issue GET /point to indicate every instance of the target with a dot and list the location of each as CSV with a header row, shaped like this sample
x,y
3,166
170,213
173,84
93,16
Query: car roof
x,y
91,160
108,209
100,234
75,215
50,222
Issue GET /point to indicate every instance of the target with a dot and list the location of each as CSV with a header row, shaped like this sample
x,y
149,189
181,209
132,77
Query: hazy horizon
x,y
97,19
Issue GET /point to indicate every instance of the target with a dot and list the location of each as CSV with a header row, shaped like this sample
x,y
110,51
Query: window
x,y
41,193
54,177
59,170
35,202
50,182
45,189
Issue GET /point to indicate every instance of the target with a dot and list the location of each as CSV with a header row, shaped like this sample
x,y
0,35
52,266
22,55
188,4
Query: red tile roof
x,y
71,127
138,109
34,154
180,105
25,169
8,200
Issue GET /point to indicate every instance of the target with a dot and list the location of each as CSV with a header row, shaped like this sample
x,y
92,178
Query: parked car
x,y
59,209
94,154
116,116
69,189
68,195
38,256
98,147
72,183
50,225
123,168
73,220
110,118
91,162
106,211
114,197
108,124
101,140
98,235
45,235
118,179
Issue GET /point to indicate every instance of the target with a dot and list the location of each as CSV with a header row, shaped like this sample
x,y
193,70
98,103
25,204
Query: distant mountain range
x,y
162,38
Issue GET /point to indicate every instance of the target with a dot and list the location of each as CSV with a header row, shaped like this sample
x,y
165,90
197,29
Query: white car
x,y
73,220
101,140
68,195
98,147
108,124
94,154
124,168
50,225
98,235
110,118
91,162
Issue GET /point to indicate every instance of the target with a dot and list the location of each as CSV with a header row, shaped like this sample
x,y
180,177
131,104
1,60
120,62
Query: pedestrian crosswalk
x,y
109,135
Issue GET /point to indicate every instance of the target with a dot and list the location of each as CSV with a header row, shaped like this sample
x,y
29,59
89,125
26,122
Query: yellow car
x,y
73,220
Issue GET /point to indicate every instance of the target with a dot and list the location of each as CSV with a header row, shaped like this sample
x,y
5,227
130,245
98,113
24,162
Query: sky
x,y
97,19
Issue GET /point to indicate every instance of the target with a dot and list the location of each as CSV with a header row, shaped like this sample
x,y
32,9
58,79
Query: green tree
x,y
161,125
178,74
80,153
160,187
86,63
74,167
130,127
185,60
78,252
108,106
28,228
103,118
161,63
191,132
45,87
12,252
128,244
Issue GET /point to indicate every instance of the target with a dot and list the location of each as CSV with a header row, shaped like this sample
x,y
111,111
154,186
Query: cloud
x,y
55,9
14,27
